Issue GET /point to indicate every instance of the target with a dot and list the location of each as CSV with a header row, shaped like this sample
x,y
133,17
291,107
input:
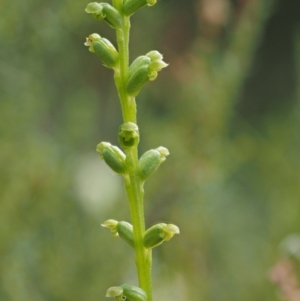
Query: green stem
x,y
133,185
135,193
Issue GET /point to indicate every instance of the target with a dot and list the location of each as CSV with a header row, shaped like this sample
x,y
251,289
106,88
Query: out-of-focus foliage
x,y
227,108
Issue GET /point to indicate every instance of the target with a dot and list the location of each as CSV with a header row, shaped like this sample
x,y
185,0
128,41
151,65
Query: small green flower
x,y
150,161
113,157
104,49
157,63
126,292
122,229
145,68
90,39
104,11
129,135
159,233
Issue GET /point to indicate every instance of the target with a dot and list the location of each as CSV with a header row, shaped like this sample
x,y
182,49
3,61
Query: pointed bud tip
x,y
114,291
110,223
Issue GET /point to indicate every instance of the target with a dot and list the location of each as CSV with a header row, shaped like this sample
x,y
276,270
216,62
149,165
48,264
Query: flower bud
x,y
104,11
90,39
113,157
125,231
104,49
126,292
131,6
128,135
159,233
122,229
150,161
143,69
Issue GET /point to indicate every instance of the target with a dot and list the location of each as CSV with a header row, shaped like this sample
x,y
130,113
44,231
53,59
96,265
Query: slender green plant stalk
x,y
129,80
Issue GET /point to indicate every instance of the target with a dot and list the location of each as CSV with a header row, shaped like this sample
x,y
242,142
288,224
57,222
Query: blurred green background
x,y
228,110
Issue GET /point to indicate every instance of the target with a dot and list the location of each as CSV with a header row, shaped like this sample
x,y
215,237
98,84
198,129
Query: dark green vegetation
x,y
227,108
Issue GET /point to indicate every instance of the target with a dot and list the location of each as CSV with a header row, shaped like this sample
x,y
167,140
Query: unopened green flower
x,y
113,157
144,69
159,233
150,161
104,11
126,292
128,135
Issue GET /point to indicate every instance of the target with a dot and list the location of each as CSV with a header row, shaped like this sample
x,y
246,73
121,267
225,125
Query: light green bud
x,y
144,69
126,292
113,157
150,161
159,233
104,11
125,231
128,135
131,6
104,49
